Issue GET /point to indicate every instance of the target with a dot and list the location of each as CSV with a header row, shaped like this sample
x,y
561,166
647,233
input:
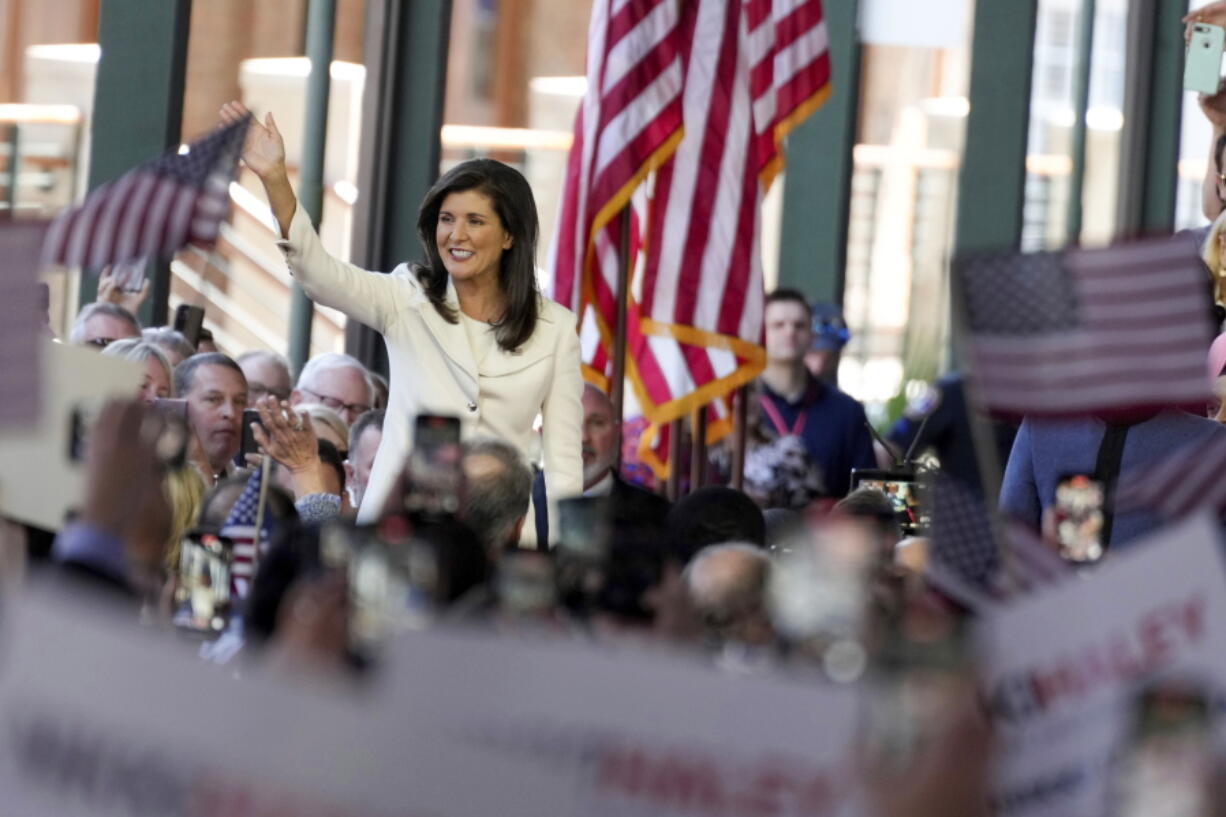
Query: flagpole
x,y
740,422
676,430
698,459
260,508
617,390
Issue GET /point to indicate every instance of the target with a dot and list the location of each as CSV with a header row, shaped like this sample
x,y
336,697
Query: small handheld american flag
x,y
966,562
154,209
247,526
1105,332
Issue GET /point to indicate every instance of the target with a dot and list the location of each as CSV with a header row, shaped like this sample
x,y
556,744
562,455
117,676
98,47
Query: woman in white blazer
x,y
467,333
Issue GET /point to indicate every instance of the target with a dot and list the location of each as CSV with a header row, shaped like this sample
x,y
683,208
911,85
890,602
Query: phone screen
x,y
525,584
1168,766
202,597
248,444
435,473
392,581
584,526
903,490
1079,518
920,675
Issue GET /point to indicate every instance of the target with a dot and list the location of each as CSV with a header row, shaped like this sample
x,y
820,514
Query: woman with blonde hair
x,y
157,381
184,489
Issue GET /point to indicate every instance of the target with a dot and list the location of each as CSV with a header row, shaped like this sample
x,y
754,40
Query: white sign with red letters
x,y
1062,667
100,719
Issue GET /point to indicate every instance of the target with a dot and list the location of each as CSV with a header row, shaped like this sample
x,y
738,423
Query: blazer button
x,y
472,406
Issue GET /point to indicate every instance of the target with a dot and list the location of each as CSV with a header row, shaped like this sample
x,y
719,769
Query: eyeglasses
x,y
257,390
338,405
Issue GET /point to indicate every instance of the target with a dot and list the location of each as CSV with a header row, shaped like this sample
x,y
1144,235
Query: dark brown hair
x,y
784,295
511,197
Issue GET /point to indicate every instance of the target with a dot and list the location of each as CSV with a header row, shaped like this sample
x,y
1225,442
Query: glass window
x,y
1053,104
913,109
515,78
1196,136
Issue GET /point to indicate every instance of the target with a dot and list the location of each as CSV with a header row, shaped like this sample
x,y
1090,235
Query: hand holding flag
x,y
154,209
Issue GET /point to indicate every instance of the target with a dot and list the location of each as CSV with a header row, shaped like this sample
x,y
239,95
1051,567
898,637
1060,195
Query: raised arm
x,y
372,298
264,153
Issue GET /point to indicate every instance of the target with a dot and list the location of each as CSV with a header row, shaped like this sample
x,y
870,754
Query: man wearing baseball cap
x,y
830,335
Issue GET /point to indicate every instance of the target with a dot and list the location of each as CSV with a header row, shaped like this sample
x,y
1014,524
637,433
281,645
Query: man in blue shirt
x,y
1047,450
805,436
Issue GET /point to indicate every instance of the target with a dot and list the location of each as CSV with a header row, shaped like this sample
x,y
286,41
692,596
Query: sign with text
x,y
39,481
1061,668
99,718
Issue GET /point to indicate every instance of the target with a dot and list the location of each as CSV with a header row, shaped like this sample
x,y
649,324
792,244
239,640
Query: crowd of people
x,y
301,520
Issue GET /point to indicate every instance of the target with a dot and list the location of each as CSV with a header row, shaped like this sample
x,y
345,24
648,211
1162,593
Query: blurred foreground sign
x,y
1062,667
39,481
101,719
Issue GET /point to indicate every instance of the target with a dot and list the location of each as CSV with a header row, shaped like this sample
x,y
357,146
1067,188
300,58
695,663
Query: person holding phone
x,y
467,332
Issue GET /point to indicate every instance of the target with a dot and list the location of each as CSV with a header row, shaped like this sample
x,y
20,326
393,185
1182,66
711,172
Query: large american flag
x,y
154,209
751,70
1103,331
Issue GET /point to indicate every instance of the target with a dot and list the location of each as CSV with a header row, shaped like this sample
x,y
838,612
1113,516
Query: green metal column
x,y
817,182
1149,145
406,76
1085,64
991,186
138,106
321,26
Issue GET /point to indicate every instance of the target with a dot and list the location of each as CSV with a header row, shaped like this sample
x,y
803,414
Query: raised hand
x,y
264,153
1213,13
264,148
109,290
286,436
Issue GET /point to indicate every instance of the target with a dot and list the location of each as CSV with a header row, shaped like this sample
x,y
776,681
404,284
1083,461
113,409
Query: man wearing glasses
x,y
339,382
267,373
100,324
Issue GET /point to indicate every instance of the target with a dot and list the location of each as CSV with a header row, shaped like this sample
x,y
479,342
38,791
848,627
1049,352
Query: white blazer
x,y
433,369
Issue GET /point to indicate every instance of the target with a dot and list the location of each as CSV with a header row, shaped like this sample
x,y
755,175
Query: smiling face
x,y
470,236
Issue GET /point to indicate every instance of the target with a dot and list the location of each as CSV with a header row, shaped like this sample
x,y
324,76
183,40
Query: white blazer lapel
x,y
539,345
451,337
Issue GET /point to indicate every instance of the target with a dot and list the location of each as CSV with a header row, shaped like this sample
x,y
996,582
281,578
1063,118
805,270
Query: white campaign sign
x,y
1061,667
98,718
39,482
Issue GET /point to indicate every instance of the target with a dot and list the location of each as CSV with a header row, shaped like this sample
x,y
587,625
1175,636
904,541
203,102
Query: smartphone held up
x,y
1202,70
